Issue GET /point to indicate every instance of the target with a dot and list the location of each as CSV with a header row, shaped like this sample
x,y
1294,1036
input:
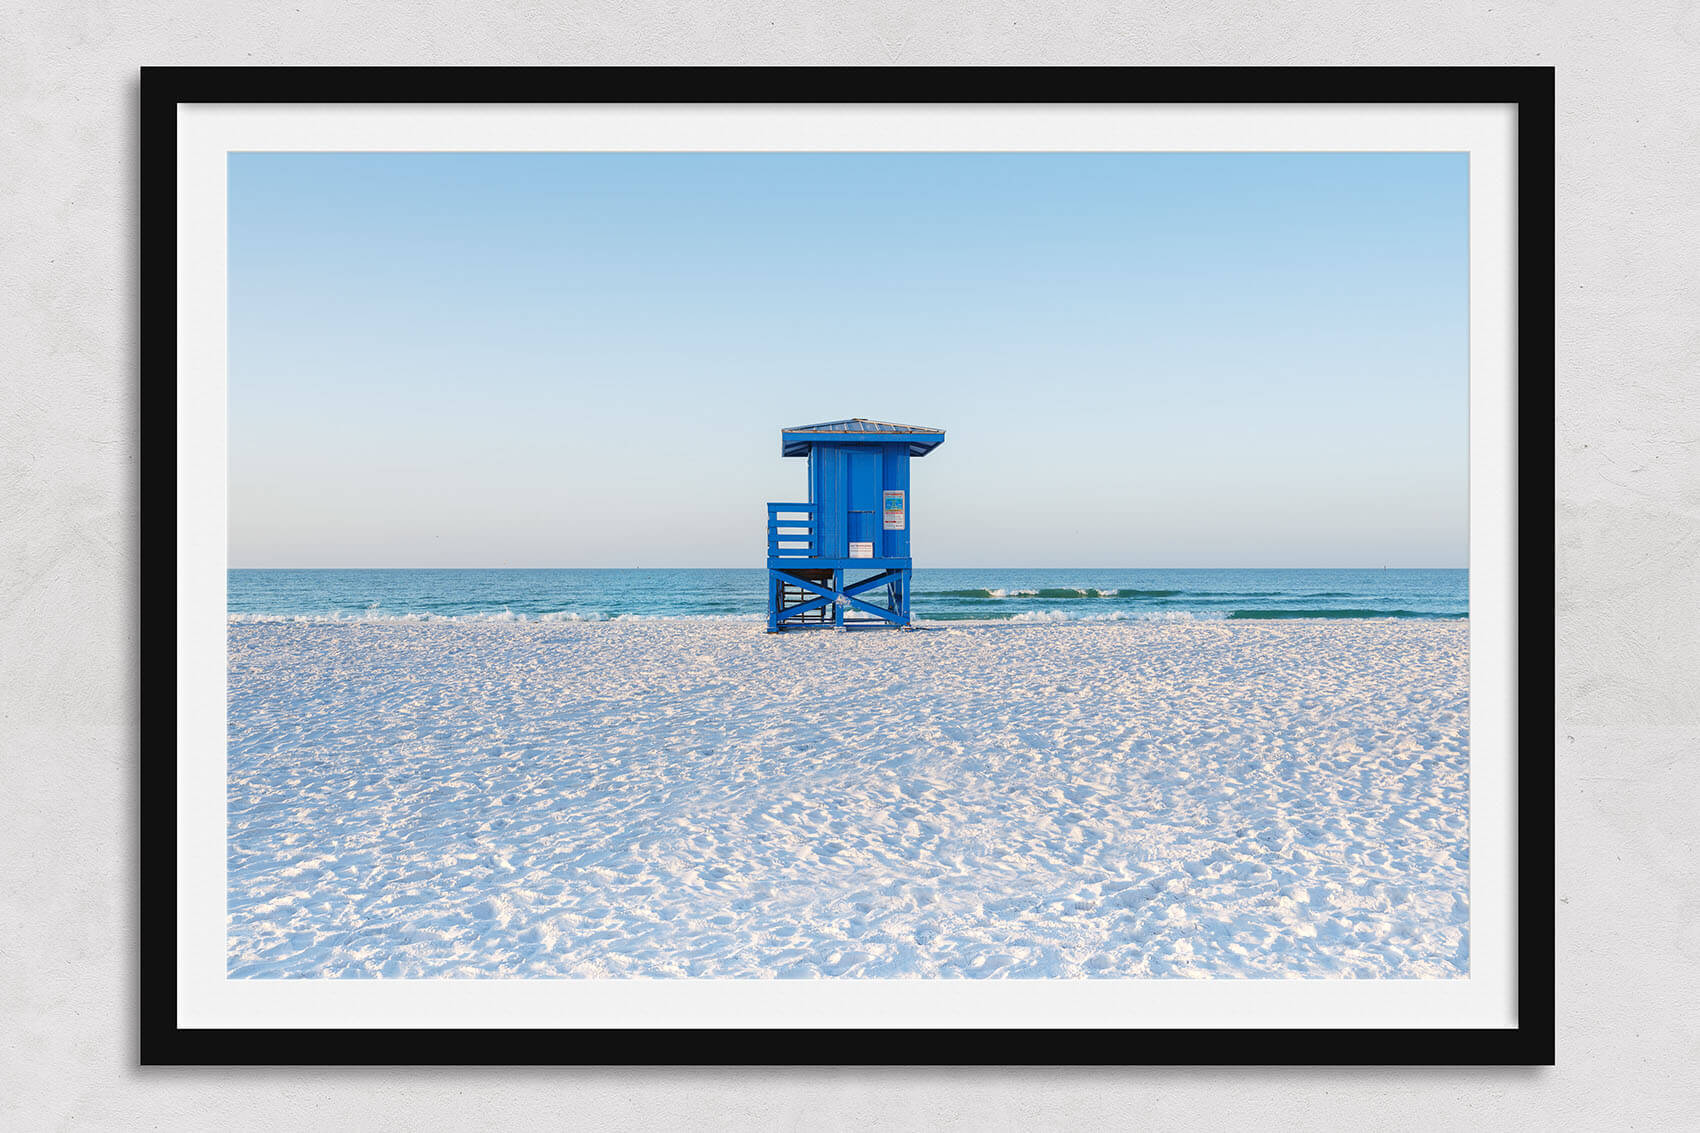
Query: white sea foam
x,y
503,615
1028,617
691,618
1156,616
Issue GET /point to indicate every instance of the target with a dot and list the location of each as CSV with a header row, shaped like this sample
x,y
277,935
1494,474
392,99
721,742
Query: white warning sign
x,y
893,511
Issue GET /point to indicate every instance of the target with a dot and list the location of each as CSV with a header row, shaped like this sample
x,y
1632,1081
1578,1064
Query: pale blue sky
x,y
586,359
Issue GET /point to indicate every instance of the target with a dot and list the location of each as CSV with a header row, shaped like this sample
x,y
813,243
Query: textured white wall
x,y
1627,734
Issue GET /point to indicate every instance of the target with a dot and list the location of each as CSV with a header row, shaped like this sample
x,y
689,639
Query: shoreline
x,y
1020,619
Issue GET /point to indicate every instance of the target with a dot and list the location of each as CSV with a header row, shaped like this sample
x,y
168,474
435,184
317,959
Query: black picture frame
x,y
1529,89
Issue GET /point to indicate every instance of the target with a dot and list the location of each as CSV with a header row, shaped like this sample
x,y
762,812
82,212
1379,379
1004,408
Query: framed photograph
x,y
1132,630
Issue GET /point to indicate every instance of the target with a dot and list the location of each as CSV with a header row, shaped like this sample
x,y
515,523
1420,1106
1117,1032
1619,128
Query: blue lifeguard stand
x,y
857,521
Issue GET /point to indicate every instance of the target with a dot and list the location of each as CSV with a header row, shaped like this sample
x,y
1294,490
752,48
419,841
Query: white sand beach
x,y
698,798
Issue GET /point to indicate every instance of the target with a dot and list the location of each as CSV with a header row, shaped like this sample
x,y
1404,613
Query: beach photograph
x,y
925,565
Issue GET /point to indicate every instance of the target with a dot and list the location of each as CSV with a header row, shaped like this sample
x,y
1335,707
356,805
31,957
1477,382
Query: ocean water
x,y
938,594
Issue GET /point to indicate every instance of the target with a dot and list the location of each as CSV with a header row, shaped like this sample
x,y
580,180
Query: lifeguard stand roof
x,y
796,440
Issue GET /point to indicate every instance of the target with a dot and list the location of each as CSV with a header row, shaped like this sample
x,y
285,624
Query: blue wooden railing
x,y
798,533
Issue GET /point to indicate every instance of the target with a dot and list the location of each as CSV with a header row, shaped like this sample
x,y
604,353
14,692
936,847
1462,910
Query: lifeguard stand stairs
x,y
842,558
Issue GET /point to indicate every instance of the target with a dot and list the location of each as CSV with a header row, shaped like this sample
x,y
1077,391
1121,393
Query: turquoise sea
x,y
939,594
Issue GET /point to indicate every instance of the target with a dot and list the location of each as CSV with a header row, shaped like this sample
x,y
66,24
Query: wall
x,y
1627,734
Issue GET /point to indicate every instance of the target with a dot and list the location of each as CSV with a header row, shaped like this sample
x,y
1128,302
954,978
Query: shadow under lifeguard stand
x,y
855,523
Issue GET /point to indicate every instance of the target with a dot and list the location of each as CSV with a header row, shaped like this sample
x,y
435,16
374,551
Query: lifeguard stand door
x,y
863,499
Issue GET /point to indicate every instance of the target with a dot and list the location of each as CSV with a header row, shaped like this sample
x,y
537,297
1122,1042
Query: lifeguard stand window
x,y
856,519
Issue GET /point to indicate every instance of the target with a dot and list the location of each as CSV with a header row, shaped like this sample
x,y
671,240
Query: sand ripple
x,y
702,799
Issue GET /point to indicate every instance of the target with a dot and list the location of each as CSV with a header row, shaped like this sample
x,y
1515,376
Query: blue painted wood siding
x,y
847,485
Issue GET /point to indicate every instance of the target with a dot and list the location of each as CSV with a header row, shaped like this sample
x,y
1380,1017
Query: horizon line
x,y
763,567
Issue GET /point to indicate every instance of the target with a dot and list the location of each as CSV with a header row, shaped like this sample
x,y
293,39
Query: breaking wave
x,y
1283,614
1062,593
1180,614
